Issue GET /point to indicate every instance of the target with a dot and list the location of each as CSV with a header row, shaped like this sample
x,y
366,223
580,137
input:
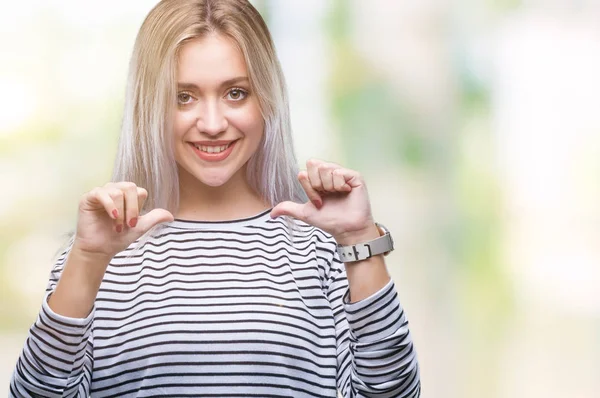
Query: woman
x,y
200,271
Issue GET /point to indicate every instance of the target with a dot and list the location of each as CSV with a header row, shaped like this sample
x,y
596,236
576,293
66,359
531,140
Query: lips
x,y
213,143
214,153
212,148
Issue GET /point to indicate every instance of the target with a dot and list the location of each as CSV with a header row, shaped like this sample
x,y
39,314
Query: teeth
x,y
211,149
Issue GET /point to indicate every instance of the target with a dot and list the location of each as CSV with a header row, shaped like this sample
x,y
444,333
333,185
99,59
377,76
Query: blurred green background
x,y
475,123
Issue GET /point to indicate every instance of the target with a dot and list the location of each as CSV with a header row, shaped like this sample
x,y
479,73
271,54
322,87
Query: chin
x,y
214,180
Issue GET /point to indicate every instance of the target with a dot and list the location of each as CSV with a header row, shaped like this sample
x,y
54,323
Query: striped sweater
x,y
223,309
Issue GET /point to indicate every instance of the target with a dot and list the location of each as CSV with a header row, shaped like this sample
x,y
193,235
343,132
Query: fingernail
x,y
119,228
317,203
115,213
133,222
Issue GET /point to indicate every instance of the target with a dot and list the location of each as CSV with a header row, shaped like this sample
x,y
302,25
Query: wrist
x,y
89,256
79,283
85,268
362,235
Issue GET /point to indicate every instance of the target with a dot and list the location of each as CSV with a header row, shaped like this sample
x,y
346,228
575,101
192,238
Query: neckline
x,y
261,217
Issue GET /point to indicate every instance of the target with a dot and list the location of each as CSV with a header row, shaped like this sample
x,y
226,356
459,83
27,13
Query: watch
x,y
361,251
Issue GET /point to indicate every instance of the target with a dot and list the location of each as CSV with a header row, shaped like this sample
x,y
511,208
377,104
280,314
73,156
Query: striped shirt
x,y
236,308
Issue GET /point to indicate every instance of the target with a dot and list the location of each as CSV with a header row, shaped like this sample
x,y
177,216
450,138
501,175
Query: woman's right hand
x,y
109,219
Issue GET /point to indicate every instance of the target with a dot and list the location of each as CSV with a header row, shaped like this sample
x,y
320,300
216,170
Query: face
x,y
218,124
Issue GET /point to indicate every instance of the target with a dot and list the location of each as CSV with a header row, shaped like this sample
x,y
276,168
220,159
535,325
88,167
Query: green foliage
x,y
376,127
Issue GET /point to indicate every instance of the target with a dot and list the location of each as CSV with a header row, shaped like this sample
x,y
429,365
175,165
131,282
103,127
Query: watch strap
x,y
361,251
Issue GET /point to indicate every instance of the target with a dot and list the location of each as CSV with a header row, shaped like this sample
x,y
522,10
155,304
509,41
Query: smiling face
x,y
218,123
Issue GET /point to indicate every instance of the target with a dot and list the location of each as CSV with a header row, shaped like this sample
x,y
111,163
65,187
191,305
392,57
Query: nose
x,y
211,119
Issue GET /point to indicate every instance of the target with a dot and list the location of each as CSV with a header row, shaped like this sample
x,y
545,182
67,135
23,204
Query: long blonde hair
x,y
145,154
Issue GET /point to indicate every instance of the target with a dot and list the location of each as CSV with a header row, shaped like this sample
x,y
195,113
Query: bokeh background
x,y
475,123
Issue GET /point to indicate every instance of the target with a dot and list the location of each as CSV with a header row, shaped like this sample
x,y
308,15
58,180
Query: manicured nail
x,y
115,214
317,203
119,228
133,222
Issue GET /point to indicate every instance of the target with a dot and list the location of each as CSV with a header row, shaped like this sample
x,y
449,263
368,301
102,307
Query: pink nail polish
x,y
115,214
133,222
119,228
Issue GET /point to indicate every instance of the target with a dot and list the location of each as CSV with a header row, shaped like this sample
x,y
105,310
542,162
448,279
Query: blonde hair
x,y
145,155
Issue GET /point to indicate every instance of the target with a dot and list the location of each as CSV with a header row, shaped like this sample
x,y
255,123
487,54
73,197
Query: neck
x,y
233,200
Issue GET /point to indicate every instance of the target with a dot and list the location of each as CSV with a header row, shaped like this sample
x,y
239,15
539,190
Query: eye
x,y
184,98
237,94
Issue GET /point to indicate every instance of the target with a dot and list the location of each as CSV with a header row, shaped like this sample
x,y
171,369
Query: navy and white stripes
x,y
223,309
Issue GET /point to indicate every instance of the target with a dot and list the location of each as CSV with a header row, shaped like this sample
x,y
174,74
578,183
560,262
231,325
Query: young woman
x,y
212,266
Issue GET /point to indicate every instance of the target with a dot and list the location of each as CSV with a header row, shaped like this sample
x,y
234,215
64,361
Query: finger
x,y
142,195
352,178
326,176
312,194
292,209
130,198
100,196
312,168
339,182
152,218
118,199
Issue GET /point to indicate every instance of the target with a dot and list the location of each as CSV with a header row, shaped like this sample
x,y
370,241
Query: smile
x,y
212,149
213,153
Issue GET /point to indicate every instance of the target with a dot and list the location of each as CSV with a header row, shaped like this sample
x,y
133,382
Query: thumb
x,y
291,209
153,218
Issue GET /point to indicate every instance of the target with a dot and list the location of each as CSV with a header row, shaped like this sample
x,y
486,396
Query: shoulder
x,y
324,242
306,229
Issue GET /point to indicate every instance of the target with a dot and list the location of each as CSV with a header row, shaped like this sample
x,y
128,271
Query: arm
x,y
56,360
375,352
367,276
374,347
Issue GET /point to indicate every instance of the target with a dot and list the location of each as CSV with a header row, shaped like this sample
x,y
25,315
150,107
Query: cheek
x,y
183,122
248,120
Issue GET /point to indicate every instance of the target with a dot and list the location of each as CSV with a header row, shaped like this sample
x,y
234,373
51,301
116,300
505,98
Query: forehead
x,y
210,60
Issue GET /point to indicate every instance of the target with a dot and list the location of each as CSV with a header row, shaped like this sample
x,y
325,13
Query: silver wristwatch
x,y
361,251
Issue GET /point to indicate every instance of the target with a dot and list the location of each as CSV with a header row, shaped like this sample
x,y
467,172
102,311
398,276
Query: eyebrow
x,y
228,82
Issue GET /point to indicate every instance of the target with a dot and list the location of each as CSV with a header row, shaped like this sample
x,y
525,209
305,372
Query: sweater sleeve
x,y
56,360
375,352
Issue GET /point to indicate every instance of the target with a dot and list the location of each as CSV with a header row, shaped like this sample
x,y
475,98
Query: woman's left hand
x,y
339,201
